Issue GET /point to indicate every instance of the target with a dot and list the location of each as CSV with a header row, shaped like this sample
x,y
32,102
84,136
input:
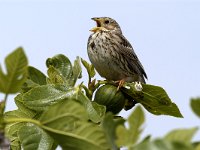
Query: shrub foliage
x,y
55,110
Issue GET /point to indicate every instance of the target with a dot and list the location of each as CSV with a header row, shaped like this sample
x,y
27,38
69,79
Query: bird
x,y
112,55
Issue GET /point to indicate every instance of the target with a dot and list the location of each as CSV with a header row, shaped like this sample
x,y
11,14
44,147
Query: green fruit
x,y
113,99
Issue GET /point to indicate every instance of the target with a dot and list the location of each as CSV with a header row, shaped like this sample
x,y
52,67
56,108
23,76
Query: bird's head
x,y
105,24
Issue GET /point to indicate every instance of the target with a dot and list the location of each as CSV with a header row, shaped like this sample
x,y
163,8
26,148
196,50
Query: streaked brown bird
x,y
111,53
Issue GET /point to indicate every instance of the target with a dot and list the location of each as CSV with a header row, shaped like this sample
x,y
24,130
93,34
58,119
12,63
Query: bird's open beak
x,y
98,27
95,29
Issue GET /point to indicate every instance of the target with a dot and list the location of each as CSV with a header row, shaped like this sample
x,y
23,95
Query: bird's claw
x,y
121,83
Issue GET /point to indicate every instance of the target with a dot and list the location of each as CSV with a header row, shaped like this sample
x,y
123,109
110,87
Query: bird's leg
x,y
121,83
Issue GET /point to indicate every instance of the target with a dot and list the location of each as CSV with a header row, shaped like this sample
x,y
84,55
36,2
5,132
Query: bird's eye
x,y
107,22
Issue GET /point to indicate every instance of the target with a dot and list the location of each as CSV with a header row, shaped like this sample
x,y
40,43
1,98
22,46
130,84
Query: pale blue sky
x,y
164,33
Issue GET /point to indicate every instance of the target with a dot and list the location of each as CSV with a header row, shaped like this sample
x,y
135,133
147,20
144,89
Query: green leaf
x,y
157,101
36,76
146,139
129,136
85,136
62,64
22,107
12,127
16,121
67,123
16,70
60,70
98,112
16,114
33,137
154,99
136,119
109,125
197,147
41,97
12,130
95,111
15,144
28,85
55,77
181,135
195,104
63,115
161,144
89,68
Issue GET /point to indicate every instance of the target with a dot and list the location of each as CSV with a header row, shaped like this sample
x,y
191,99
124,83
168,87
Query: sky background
x,y
164,33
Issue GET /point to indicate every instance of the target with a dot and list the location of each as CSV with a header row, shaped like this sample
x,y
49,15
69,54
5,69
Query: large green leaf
x,y
181,135
154,99
41,97
16,70
86,136
67,123
129,136
13,126
195,104
33,137
63,115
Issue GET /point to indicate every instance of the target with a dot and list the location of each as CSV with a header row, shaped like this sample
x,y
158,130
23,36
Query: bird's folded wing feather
x,y
129,55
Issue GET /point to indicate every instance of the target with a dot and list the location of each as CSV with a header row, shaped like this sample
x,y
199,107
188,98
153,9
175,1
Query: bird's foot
x,y
138,86
120,84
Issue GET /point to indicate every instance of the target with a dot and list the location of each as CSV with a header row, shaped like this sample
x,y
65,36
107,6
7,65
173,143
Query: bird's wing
x,y
129,55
